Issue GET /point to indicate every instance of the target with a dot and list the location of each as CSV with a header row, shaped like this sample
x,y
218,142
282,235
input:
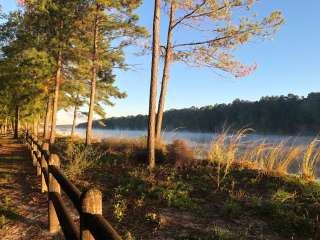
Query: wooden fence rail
x,y
88,204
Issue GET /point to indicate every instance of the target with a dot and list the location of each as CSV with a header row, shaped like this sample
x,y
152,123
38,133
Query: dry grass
x,y
180,153
226,150
133,149
310,160
80,158
292,154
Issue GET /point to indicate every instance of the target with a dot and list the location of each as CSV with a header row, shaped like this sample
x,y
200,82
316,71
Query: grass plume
x,y
310,160
226,150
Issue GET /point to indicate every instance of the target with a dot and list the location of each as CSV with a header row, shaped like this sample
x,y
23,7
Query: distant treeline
x,y
277,114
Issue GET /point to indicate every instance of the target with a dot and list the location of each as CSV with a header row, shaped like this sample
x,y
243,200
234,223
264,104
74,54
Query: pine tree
x,y
23,68
55,23
153,85
224,34
109,27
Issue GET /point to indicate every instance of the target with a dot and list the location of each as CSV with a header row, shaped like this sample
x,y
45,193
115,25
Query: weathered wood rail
x,y
88,203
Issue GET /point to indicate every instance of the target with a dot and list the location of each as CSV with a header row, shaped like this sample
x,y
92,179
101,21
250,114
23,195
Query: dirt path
x,y
23,209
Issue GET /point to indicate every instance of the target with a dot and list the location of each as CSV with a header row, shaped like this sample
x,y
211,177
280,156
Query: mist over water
x,y
193,138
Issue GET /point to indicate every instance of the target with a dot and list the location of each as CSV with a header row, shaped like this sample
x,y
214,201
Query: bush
x,y
176,194
119,208
180,153
79,158
132,149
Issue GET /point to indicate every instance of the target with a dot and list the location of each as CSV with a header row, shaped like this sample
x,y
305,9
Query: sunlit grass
x,y
226,150
310,160
292,154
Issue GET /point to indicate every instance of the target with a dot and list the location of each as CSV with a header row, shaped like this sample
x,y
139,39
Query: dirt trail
x,y
23,209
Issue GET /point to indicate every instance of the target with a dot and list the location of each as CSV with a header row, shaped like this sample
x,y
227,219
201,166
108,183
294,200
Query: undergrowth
x,y
245,186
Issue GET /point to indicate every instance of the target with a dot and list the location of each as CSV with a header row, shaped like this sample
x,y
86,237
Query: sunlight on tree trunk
x,y
153,85
47,120
74,122
6,125
56,98
38,125
94,78
35,126
165,76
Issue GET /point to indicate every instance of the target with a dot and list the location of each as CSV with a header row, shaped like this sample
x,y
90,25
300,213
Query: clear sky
x,y
288,64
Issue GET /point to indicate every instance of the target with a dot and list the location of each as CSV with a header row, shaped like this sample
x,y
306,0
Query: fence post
x,y
33,149
44,187
54,186
91,203
38,155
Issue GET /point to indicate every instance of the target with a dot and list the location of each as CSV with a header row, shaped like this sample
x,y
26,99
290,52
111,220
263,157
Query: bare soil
x,y
23,209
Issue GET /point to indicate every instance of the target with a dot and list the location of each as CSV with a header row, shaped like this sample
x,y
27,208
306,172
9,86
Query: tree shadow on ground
x,y
11,215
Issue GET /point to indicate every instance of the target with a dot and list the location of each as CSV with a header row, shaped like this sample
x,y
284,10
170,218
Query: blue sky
x,y
287,64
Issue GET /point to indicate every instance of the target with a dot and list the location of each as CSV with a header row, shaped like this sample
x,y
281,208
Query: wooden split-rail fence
x,y
88,203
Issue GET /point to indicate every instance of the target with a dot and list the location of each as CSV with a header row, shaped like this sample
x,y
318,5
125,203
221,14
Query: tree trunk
x,y
35,127
153,85
56,98
165,76
5,126
38,125
75,112
94,77
16,125
12,125
47,120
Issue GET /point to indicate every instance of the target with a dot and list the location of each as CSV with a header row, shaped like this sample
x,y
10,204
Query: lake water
x,y
193,138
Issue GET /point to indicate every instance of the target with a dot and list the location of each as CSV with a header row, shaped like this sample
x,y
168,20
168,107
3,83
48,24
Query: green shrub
x,y
283,196
79,158
119,207
176,194
232,209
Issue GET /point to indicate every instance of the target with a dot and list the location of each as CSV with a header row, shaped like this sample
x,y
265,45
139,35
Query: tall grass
x,y
80,158
292,154
223,151
310,160
226,150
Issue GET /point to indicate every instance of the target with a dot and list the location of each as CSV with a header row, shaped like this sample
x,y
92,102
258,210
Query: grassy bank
x,y
240,192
